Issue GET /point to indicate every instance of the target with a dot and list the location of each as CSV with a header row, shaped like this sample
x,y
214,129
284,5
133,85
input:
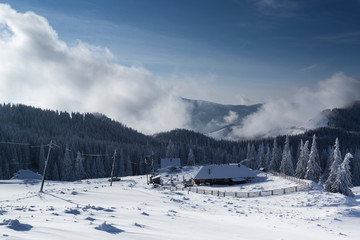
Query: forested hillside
x,y
85,144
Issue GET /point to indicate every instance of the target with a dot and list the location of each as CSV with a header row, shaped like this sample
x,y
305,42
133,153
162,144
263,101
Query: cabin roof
x,y
224,171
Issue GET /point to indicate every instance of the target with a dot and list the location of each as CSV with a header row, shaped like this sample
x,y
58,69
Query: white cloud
x,y
231,117
308,68
40,70
338,91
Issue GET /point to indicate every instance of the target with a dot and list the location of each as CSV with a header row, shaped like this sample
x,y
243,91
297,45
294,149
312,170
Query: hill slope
x,y
130,209
207,117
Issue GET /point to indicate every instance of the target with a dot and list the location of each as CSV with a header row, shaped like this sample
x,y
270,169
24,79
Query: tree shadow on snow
x,y
109,228
16,225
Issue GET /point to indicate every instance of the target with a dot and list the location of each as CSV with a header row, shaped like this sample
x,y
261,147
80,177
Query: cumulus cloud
x,y
40,70
231,117
304,106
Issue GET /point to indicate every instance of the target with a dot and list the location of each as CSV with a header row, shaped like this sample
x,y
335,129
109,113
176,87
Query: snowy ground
x,y
130,209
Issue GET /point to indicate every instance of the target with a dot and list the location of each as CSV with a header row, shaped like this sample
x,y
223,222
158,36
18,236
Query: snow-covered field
x,y
130,209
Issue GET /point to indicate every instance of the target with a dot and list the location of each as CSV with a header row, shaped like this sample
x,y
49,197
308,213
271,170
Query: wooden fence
x,y
303,185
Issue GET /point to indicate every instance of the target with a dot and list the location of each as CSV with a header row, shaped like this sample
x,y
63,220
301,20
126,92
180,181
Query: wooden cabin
x,y
226,174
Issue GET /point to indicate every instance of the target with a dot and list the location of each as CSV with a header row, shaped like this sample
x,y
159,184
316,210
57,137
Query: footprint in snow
x,y
139,225
145,214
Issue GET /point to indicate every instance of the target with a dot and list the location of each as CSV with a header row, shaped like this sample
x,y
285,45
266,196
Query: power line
x,y
40,146
15,143
95,155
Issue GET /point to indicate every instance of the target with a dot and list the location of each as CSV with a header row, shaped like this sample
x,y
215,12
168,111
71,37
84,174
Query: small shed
x,y
170,162
227,174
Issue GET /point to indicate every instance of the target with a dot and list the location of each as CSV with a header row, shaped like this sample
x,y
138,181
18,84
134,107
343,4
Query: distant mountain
x,y
347,118
208,117
219,121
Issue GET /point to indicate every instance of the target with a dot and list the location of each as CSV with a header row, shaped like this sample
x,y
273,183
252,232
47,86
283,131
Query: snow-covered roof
x,y
224,171
170,162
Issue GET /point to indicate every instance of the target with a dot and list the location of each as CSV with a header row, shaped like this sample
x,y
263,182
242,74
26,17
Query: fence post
x,y
248,194
224,193
218,193
235,194
272,192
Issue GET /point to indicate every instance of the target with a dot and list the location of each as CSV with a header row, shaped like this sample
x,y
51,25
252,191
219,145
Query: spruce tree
x,y
275,158
170,150
299,161
42,159
286,166
79,168
100,167
55,172
191,158
356,168
1,168
302,161
129,170
342,182
261,161
268,156
330,157
335,166
67,173
313,170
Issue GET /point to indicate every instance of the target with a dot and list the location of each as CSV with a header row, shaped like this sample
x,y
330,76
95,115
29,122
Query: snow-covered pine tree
x,y
1,168
252,157
129,170
170,150
234,155
93,169
299,161
302,161
79,167
356,168
342,183
336,162
100,167
191,158
67,173
268,156
329,160
275,158
286,166
6,170
313,169
261,161
248,151
42,159
55,172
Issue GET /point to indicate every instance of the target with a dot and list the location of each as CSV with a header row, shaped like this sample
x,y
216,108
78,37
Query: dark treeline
x,y
80,135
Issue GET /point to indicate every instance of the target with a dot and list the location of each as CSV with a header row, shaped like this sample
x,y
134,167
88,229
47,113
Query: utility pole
x,y
46,164
112,169
152,165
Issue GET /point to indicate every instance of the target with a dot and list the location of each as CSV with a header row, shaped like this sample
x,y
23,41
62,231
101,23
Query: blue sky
x,y
228,51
